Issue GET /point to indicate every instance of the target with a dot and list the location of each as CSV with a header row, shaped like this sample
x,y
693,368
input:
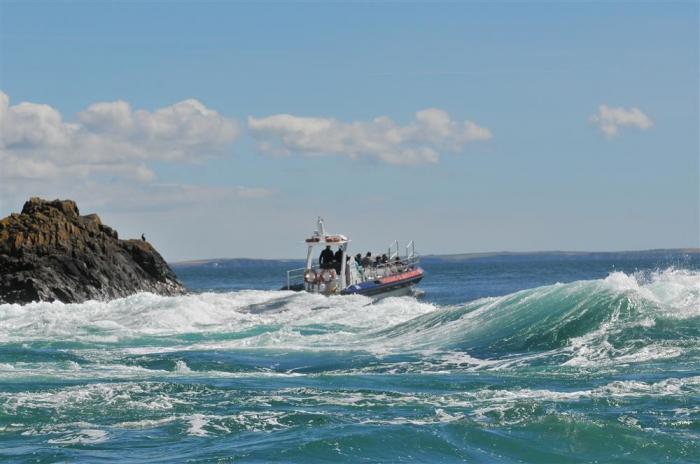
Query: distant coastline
x,y
457,257
562,254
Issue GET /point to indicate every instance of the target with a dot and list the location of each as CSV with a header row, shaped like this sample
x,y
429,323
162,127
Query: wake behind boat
x,y
340,274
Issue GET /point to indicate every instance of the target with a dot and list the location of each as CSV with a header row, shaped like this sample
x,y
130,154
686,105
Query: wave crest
x,y
623,318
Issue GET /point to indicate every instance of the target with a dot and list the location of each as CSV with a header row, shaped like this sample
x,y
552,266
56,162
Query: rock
x,y
49,252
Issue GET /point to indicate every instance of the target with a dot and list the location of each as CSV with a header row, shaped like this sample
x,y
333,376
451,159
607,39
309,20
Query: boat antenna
x,y
321,228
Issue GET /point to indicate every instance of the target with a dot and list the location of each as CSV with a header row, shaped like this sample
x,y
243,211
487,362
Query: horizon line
x,y
467,255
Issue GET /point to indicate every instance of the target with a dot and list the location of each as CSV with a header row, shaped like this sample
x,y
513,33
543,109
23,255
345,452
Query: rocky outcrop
x,y
50,252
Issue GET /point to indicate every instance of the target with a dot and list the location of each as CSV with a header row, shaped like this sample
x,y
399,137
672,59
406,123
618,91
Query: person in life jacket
x,y
325,261
338,260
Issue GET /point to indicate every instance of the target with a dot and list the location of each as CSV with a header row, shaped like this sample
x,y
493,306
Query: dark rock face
x,y
49,252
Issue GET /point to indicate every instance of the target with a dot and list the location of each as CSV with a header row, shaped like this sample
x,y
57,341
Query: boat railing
x,y
411,249
393,250
295,277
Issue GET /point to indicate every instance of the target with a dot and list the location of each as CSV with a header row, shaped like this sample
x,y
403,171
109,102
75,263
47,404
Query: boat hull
x,y
395,285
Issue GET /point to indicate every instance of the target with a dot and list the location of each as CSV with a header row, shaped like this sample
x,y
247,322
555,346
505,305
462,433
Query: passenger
x,y
367,260
338,260
398,265
381,271
325,261
357,263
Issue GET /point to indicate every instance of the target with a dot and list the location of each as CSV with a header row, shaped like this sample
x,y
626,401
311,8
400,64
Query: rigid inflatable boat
x,y
396,275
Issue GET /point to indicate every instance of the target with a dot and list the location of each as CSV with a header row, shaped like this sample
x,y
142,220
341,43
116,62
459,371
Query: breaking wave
x,y
624,318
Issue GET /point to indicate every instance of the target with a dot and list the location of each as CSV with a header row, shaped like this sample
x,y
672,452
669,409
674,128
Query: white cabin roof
x,y
320,237
333,240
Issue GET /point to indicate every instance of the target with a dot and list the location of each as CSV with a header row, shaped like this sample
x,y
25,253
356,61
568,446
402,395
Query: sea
x,y
541,358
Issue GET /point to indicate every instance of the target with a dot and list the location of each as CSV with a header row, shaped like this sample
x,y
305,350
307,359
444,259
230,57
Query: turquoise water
x,y
502,360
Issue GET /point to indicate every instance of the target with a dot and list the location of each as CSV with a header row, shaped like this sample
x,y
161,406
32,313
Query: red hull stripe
x,y
398,277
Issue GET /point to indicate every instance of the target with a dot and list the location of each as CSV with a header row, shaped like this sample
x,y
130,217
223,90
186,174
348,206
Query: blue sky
x,y
537,172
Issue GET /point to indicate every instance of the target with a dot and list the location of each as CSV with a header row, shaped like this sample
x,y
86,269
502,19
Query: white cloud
x,y
609,120
108,138
432,131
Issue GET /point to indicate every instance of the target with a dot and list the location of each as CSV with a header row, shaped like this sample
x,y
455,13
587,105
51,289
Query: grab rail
x,y
390,250
296,276
412,246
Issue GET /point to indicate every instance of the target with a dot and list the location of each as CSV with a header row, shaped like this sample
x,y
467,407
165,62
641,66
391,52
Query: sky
x,y
223,129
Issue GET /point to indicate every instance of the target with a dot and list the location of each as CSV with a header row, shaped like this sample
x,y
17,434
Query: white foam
x,y
197,424
677,291
47,371
151,396
181,367
145,315
146,423
440,417
81,437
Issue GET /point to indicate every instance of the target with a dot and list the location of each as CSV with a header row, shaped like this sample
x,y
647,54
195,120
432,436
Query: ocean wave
x,y
220,411
158,397
622,319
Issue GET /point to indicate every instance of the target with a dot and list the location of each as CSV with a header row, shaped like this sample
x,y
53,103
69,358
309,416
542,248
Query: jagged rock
x,y
49,252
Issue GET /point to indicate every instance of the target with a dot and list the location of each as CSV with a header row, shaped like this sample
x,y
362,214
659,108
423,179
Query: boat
x,y
395,277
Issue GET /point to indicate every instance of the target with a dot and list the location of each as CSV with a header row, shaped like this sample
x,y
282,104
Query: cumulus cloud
x,y
610,120
108,137
421,141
